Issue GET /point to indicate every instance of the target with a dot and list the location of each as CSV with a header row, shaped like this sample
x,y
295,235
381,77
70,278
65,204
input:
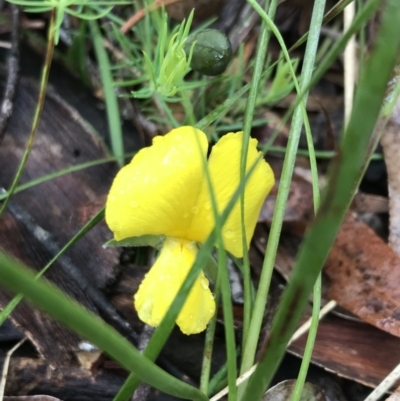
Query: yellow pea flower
x,y
163,191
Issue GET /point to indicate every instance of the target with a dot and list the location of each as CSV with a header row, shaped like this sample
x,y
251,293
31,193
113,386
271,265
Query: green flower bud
x,y
211,53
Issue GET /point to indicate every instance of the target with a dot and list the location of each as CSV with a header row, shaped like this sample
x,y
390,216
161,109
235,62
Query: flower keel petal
x,y
162,283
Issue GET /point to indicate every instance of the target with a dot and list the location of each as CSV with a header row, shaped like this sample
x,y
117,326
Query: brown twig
x,y
141,13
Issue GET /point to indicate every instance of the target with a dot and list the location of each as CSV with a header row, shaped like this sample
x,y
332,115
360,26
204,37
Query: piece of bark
x,y
353,350
364,275
34,376
299,207
53,209
28,376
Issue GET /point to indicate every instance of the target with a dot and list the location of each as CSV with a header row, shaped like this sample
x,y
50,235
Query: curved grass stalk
x,y
208,346
299,116
38,110
315,317
68,311
60,173
113,114
247,124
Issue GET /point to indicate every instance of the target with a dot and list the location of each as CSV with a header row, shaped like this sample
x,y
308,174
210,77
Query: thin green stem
x,y
229,324
312,334
319,154
262,47
60,173
38,110
209,344
111,101
225,287
287,170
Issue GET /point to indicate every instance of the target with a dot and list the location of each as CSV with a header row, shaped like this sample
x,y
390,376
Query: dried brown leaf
x,y
365,276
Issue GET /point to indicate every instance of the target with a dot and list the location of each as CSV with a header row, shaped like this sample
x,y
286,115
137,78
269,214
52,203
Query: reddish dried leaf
x,y
365,276
299,207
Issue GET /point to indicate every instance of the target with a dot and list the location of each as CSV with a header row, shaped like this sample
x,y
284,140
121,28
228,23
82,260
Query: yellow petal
x,y
156,192
224,167
162,283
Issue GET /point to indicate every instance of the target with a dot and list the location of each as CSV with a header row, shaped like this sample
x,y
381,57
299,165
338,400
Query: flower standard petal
x,y
224,168
162,283
156,192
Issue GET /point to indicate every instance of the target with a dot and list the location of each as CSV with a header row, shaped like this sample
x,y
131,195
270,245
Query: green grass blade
x,y
56,174
312,334
38,111
287,170
262,47
63,308
113,114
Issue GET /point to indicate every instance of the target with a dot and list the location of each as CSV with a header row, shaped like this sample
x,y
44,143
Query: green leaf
x,y
155,241
211,268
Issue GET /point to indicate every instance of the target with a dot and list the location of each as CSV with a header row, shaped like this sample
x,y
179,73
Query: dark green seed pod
x,y
211,53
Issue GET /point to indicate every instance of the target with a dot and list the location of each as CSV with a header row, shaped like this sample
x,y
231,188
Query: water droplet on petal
x,y
186,215
121,191
133,204
162,277
211,310
111,198
195,210
207,205
204,283
191,316
229,233
168,276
